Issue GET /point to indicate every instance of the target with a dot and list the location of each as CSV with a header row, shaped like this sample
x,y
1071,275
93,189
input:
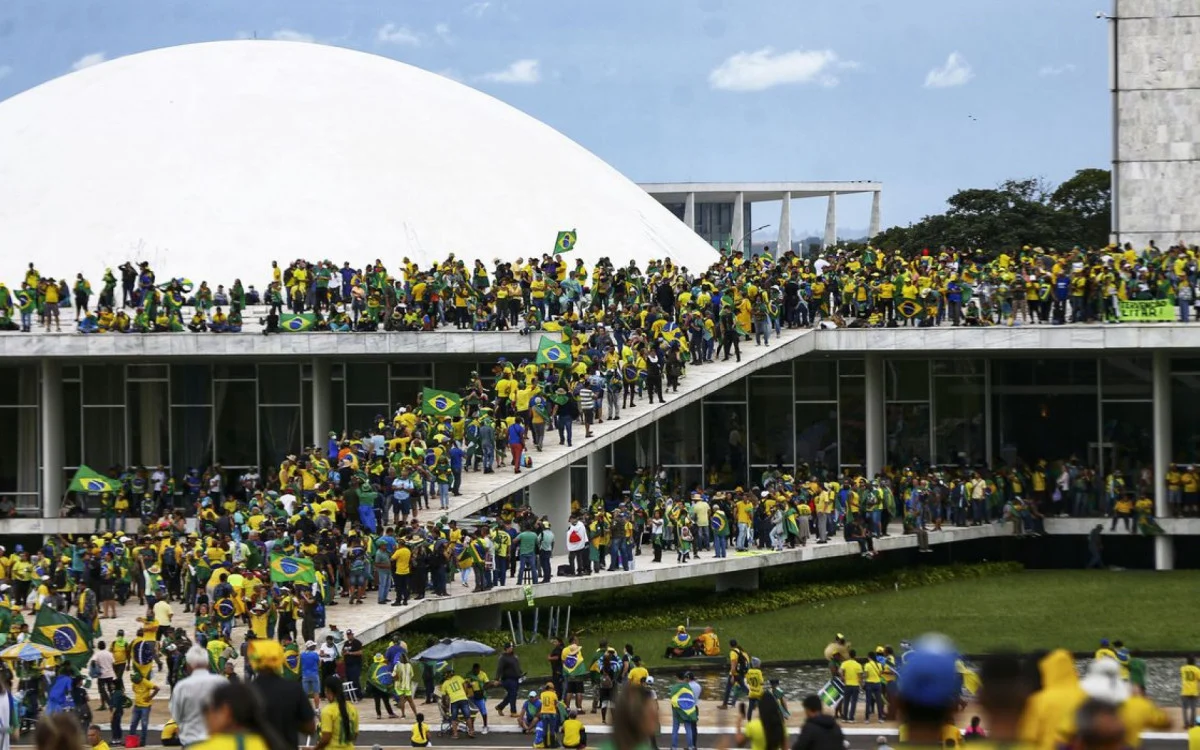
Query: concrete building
x,y
1155,80
720,212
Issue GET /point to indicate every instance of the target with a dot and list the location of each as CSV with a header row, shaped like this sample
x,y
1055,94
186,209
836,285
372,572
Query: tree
x,y
1012,215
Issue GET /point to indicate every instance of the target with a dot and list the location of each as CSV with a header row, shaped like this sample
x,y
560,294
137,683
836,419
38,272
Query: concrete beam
x,y
831,221
1164,548
52,438
477,618
785,225
742,580
689,211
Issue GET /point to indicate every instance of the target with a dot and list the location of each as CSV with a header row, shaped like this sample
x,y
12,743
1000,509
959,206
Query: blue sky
x,y
928,96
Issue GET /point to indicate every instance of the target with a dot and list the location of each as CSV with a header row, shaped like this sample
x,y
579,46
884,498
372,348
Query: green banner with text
x,y
1148,310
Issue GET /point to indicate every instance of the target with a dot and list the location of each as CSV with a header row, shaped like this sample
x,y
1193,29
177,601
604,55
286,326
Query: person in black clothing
x,y
729,334
654,376
508,672
291,712
820,731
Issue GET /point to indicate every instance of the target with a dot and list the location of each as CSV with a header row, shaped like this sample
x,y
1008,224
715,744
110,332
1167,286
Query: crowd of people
x,y
861,286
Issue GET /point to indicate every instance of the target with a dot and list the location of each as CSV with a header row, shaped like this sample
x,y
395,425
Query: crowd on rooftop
x,y
839,286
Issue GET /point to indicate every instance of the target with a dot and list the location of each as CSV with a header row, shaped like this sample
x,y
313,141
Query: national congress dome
x,y
211,160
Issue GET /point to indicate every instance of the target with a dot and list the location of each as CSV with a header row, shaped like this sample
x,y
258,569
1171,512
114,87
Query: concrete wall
x,y
1158,120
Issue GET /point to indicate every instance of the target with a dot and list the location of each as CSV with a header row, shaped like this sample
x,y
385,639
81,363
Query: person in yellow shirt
x,y
455,690
143,694
852,674
574,734
1189,690
548,713
873,687
638,674
96,739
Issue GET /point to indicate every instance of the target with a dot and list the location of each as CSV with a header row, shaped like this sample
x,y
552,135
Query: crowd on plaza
x,y
838,286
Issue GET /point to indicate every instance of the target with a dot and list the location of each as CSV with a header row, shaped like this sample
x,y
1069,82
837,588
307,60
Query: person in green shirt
x,y
526,543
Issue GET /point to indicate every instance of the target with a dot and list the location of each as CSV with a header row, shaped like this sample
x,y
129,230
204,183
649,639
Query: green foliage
x,y
1014,214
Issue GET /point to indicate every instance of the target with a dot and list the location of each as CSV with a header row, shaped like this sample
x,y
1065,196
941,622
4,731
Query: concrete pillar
x,y
597,474
322,401
550,496
478,618
1164,550
831,221
874,411
738,580
785,225
874,228
52,438
737,235
689,211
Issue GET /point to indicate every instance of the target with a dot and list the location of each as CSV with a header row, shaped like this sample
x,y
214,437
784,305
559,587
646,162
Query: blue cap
x,y
929,677
1103,641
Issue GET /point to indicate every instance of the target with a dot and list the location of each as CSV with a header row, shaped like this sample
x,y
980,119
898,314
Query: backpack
x,y
169,557
358,566
742,662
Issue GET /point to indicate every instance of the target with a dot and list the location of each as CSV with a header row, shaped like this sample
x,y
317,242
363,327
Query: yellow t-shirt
x,y
852,673
755,733
1189,680
638,675
331,723
230,742
141,693
1194,738
549,700
873,672
401,557
455,689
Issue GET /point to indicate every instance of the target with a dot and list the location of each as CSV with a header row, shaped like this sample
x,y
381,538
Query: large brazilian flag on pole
x,y
91,482
551,352
440,403
288,569
67,634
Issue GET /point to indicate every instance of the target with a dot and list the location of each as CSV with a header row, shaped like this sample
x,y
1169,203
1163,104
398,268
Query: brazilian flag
x,y
67,634
88,481
143,651
285,568
224,608
291,661
683,702
719,522
551,352
291,323
909,308
573,662
440,403
380,677
25,300
565,242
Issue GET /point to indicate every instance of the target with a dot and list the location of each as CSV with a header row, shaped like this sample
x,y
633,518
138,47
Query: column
x,y
785,225
689,211
52,438
831,221
874,402
597,473
550,496
322,401
737,234
1164,550
874,229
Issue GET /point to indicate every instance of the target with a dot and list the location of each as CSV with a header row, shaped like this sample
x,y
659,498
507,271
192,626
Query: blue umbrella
x,y
449,648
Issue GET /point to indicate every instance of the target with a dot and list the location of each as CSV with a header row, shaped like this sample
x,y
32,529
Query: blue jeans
x,y
743,537
527,562
444,494
689,731
510,695
874,700
385,583
850,702
489,455
565,427
141,715
720,544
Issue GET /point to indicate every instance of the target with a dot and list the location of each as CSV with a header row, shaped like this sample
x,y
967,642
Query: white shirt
x,y
104,662
158,479
327,653
577,537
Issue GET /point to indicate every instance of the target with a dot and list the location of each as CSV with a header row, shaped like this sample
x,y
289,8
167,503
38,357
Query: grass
x,y
1025,611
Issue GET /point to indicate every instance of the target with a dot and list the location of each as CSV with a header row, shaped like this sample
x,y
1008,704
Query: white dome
x,y
211,160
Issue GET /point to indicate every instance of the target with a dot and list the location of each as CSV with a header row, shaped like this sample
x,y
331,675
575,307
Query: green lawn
x,y
1026,611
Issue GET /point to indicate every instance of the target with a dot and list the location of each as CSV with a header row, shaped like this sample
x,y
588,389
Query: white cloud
x,y
477,10
451,73
764,69
443,31
521,71
88,61
956,72
391,33
1050,71
5,71
291,35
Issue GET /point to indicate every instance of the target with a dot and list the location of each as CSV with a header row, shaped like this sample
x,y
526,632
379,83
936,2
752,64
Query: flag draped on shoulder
x,y
551,352
92,482
286,569
565,242
67,634
292,323
440,403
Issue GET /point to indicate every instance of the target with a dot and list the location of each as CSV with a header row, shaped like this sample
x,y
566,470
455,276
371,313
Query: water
x,y
1162,679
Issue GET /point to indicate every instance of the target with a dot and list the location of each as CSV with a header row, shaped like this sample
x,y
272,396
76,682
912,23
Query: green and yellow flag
x,y
292,323
91,482
565,242
551,352
440,403
288,569
25,300
67,634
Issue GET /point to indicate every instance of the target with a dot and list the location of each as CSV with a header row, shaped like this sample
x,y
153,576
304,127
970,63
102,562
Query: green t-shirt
x,y
526,543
